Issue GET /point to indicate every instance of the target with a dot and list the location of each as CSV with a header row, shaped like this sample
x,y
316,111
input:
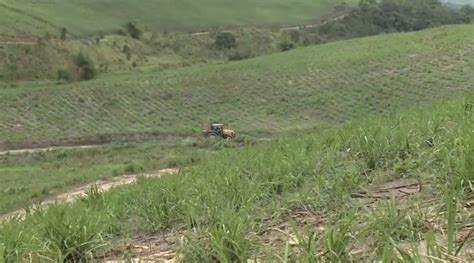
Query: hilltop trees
x,y
468,11
374,17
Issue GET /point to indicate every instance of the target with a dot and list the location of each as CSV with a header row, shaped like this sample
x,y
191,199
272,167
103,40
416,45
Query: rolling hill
x,y
90,16
395,189
329,83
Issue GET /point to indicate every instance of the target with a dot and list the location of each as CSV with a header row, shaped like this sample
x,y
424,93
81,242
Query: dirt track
x,y
48,149
101,185
288,28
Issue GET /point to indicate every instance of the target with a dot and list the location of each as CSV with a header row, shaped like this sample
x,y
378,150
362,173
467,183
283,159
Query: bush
x,y
64,74
63,34
121,32
285,46
133,30
294,35
225,40
239,55
86,67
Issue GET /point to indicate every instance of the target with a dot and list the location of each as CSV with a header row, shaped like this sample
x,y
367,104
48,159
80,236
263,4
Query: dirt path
x,y
101,185
48,149
5,43
288,28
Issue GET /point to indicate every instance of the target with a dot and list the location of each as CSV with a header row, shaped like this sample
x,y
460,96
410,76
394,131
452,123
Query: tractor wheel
x,y
212,134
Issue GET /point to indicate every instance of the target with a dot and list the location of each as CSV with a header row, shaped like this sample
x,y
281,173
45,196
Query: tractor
x,y
217,130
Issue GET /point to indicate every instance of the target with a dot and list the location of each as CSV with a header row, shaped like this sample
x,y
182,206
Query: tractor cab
x,y
217,127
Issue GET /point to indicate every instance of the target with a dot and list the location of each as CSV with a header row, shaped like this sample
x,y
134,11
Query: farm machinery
x,y
218,130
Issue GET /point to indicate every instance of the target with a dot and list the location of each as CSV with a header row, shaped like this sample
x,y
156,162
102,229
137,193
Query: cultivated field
x,y
328,83
90,16
390,189
358,150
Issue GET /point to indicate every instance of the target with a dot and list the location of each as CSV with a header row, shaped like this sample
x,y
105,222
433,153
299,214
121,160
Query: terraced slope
x,y
88,16
395,189
322,84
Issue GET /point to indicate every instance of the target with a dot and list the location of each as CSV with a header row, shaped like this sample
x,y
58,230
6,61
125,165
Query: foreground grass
x,y
28,178
89,16
226,204
327,83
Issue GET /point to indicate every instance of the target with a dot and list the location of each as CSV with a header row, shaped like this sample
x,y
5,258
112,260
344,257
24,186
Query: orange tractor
x,y
217,130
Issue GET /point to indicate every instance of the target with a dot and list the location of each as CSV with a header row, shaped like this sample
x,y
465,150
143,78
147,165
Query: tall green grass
x,y
221,203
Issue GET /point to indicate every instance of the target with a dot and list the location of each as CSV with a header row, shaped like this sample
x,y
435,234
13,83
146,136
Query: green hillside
x,y
329,83
87,16
393,189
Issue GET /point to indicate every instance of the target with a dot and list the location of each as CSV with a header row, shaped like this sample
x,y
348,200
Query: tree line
x,y
373,17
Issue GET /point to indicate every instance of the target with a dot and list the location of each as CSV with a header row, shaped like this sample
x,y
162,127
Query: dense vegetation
x,y
373,17
293,200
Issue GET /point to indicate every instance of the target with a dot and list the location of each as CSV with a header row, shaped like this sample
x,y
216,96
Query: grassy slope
x,y
88,16
232,204
32,178
297,89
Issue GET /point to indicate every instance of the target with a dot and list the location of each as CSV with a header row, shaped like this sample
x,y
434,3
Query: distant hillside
x,y
296,89
458,2
88,16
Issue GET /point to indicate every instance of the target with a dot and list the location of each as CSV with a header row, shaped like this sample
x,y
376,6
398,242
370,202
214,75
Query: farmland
x,y
89,16
354,143
298,89
317,195
268,96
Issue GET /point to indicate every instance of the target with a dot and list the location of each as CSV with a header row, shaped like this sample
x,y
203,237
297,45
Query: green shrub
x,y
286,46
133,30
85,66
134,167
225,40
64,74
294,35
63,34
239,55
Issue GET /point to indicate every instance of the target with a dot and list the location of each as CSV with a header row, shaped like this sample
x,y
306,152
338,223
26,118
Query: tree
x,y
127,51
133,30
85,66
343,7
225,40
63,34
468,11
364,5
